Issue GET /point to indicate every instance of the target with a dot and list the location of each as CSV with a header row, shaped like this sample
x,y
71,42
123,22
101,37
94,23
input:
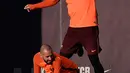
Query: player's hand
x,y
29,7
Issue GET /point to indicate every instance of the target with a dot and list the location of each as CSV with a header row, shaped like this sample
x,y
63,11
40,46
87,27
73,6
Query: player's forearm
x,y
45,3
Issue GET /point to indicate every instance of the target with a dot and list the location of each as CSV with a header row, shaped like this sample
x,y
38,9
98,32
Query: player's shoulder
x,y
60,57
36,55
57,55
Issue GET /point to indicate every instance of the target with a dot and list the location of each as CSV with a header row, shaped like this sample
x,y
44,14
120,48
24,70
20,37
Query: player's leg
x,y
68,48
91,44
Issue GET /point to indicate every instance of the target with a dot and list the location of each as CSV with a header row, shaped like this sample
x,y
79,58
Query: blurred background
x,y
22,34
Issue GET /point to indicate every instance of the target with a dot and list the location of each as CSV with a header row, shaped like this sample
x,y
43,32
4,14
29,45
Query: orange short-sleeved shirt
x,y
82,13
56,67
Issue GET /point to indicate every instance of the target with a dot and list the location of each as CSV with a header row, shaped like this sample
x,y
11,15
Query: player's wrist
x,y
35,6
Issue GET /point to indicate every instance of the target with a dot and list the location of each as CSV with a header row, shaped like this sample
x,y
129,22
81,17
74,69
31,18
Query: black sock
x,y
94,59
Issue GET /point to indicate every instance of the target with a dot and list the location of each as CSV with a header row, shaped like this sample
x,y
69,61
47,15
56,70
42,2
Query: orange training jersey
x,y
82,13
57,65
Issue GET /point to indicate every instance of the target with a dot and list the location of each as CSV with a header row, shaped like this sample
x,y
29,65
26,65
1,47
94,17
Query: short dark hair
x,y
45,47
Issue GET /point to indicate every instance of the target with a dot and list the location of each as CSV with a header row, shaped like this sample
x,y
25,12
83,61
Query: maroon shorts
x,y
87,36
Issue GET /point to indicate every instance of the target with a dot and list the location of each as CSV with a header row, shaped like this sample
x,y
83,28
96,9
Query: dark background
x,y
21,35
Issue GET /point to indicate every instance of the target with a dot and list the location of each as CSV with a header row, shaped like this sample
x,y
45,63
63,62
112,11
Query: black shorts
x,y
87,36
